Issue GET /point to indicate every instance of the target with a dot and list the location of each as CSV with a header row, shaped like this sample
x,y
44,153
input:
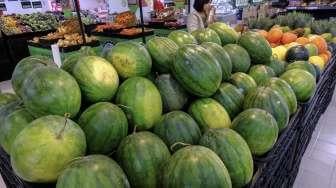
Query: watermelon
x,y
271,101
206,35
174,97
130,59
182,38
208,113
12,125
196,167
24,67
142,156
278,66
243,82
97,78
93,171
234,152
257,46
51,91
240,59
304,65
70,61
43,149
261,73
141,101
104,125
203,76
230,97
177,126
162,50
258,128
302,83
227,34
221,56
6,98
284,89
297,53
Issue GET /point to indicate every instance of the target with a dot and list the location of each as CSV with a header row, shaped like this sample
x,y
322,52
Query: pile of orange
x,y
277,37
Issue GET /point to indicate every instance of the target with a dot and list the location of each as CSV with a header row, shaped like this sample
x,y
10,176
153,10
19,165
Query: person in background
x,y
158,5
202,16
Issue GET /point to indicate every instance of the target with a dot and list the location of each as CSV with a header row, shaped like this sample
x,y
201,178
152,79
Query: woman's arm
x,y
211,15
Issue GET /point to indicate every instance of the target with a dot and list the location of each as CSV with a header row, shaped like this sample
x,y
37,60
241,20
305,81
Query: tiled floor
x,y
318,166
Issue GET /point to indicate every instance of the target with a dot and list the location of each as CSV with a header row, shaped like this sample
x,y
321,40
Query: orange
x,y
263,33
288,38
274,35
273,45
302,40
320,43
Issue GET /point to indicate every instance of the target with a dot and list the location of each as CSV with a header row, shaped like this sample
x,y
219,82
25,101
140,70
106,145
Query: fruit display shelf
x,y
282,170
278,167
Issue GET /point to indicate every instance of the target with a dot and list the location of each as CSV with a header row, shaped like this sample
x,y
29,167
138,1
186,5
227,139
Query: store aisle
x,y
318,165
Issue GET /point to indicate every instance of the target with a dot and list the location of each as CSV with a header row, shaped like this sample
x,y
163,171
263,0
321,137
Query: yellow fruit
x,y
279,52
291,44
318,61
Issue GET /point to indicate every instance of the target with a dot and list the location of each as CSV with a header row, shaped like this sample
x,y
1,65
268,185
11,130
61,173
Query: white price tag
x,y
56,55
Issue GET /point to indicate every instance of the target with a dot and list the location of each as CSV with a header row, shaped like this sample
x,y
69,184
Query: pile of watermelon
x,y
178,112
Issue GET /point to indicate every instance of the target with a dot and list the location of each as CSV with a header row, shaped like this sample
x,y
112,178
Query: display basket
x,y
118,35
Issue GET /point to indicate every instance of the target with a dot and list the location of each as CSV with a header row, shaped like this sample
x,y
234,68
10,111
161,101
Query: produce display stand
x,y
104,37
278,167
164,31
281,170
44,51
319,12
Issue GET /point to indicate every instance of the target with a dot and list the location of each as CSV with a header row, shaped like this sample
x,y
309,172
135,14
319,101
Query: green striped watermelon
x,y
51,91
258,128
230,97
257,46
182,38
97,78
234,152
197,71
24,67
196,167
45,147
304,65
268,99
162,50
105,125
243,82
284,89
302,82
206,35
6,98
12,125
70,61
208,113
142,156
141,101
174,97
221,56
227,34
240,59
130,59
261,73
93,171
177,126
277,65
